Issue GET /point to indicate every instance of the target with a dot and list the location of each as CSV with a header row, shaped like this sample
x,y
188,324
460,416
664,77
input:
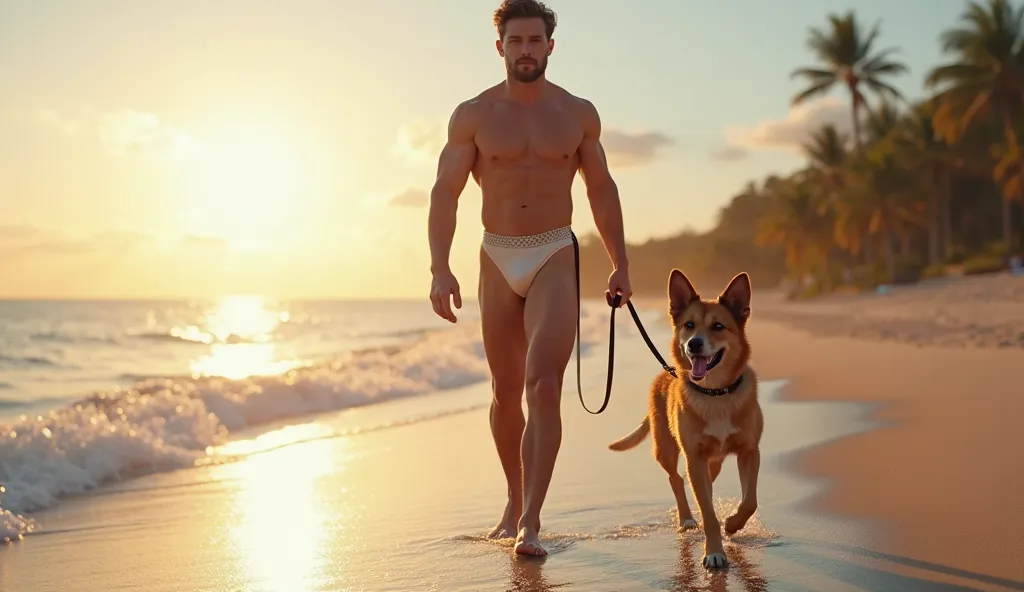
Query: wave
x,y
58,337
397,333
188,335
7,404
169,423
22,361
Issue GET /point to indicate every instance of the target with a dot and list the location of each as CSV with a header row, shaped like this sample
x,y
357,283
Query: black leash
x,y
611,338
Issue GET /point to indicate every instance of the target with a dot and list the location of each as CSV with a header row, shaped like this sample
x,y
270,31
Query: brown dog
x,y
711,410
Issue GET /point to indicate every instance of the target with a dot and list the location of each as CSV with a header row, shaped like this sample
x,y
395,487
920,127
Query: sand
x,y
943,476
879,472
961,312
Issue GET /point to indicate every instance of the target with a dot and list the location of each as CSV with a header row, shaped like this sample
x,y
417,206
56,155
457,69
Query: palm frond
x,y
812,91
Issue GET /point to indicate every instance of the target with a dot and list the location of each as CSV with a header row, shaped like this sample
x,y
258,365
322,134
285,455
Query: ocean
x,y
98,391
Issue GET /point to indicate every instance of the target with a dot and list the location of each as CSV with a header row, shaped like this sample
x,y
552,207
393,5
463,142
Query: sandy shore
x,y
942,478
977,311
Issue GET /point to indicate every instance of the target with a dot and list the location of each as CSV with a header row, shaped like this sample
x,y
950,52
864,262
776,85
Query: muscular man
x,y
523,140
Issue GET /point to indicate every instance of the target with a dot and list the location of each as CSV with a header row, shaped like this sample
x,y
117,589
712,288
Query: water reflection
x,y
526,575
241,333
691,576
273,440
278,534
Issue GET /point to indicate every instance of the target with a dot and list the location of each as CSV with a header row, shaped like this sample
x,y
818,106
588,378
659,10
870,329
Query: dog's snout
x,y
695,345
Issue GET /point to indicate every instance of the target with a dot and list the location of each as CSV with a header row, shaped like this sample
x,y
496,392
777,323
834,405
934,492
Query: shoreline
x,y
915,473
609,522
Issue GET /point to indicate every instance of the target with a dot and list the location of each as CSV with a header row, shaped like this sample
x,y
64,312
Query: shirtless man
x,y
523,140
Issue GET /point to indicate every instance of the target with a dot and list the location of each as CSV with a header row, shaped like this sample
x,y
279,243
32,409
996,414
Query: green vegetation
x,y
921,190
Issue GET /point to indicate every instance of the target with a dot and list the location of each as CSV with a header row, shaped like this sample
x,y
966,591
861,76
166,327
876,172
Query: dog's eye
x,y
688,324
717,327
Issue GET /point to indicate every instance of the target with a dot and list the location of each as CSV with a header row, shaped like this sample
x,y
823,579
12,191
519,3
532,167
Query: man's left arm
x,y
602,192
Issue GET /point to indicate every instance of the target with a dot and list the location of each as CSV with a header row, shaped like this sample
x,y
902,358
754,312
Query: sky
x,y
167,149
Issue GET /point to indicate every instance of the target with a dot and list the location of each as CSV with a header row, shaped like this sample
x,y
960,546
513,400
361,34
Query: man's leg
x,y
501,319
550,314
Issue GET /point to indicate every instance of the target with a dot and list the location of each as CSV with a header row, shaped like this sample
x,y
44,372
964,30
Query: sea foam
x,y
161,424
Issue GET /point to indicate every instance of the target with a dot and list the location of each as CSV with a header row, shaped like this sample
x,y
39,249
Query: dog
x,y
710,411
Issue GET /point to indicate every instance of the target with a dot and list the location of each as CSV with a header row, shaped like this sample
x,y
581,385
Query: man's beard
x,y
539,66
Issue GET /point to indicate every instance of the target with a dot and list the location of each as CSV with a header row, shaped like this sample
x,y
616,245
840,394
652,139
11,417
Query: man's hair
x,y
513,9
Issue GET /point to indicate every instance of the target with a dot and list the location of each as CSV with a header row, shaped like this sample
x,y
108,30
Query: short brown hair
x,y
513,9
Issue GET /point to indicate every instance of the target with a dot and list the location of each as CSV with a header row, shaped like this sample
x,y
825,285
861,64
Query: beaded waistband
x,y
528,240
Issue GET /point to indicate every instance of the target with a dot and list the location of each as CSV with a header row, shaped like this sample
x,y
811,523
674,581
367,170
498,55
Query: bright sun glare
x,y
248,185
241,332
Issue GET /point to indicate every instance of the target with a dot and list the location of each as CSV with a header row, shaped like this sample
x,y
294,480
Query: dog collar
x,y
715,392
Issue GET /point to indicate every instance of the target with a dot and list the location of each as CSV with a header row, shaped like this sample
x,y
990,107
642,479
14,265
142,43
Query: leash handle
x,y
615,304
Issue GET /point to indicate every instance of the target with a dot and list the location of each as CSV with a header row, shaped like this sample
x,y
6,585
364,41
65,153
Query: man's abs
x,y
526,201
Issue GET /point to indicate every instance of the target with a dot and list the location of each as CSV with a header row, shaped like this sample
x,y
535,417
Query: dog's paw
x,y
738,519
715,560
688,524
734,523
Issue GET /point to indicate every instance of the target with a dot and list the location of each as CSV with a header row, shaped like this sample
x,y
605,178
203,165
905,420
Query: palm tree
x,y
827,156
986,80
880,192
854,212
826,152
796,222
923,150
847,58
882,123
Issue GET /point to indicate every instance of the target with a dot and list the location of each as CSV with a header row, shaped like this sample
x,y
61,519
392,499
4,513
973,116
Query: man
x,y
524,140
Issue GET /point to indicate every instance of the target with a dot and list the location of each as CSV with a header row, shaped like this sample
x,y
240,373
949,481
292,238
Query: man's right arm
x,y
453,169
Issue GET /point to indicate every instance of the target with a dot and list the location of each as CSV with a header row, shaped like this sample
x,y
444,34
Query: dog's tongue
x,y
700,367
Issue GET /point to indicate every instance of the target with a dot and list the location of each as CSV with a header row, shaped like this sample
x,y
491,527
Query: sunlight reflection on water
x,y
280,516
241,333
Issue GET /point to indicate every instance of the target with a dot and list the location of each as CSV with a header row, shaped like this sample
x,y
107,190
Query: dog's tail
x,y
637,436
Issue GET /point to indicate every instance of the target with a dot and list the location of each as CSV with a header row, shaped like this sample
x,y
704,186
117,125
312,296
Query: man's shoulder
x,y
580,105
583,109
471,109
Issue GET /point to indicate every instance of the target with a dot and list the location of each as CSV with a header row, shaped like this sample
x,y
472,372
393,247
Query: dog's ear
x,y
680,293
736,297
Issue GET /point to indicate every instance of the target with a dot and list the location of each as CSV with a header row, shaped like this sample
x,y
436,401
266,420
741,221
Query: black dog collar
x,y
715,392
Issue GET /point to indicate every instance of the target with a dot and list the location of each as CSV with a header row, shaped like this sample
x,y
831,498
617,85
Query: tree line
x,y
918,189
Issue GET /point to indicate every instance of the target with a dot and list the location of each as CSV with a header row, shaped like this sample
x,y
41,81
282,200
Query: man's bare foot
x,y
506,529
528,543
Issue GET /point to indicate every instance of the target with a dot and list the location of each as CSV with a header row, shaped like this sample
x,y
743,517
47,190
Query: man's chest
x,y
545,132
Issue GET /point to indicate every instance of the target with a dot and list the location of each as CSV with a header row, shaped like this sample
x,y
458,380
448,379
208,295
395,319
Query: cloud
x,y
207,243
792,130
134,133
729,153
66,125
421,142
410,198
27,239
124,132
629,149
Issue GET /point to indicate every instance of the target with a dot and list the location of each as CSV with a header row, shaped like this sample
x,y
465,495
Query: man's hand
x,y
443,289
618,283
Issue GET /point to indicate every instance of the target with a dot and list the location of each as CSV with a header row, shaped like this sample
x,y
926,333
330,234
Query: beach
x,y
878,473
940,360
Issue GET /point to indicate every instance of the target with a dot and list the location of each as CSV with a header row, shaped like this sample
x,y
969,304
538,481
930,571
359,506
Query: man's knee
x,y
507,392
543,389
